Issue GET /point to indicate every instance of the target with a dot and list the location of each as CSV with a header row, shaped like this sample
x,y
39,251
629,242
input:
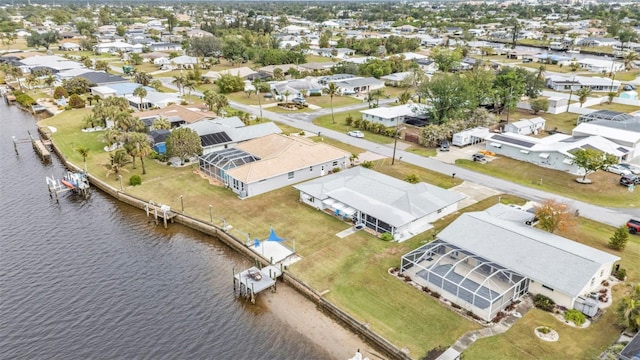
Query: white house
x,y
554,151
391,116
569,83
601,66
274,161
380,202
358,85
625,134
526,126
485,260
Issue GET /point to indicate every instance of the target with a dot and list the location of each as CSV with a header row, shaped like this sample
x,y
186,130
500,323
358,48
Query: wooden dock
x,y
251,282
38,145
160,212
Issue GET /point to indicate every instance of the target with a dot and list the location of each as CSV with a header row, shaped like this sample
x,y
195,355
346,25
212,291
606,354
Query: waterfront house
x,y
222,133
502,258
271,162
380,202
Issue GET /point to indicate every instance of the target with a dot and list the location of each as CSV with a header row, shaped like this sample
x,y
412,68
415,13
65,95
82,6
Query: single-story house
x,y
165,47
359,85
569,83
54,63
340,53
243,72
184,62
69,46
187,115
526,126
271,162
392,115
153,99
625,134
380,202
554,151
597,41
601,66
397,79
221,133
485,260
111,47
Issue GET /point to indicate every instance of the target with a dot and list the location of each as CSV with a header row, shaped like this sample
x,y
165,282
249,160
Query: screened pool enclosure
x,y
216,164
468,280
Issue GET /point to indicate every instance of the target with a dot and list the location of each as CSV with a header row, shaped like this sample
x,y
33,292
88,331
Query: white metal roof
x,y
557,262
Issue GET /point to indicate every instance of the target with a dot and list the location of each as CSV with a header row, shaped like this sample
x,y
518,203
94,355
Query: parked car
x,y
628,180
524,61
299,100
479,158
356,133
635,169
628,87
617,169
633,226
444,145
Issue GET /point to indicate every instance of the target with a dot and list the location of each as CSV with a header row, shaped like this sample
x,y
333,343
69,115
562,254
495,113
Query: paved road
x,y
611,216
614,217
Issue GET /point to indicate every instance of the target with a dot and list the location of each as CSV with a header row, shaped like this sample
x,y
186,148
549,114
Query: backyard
x,y
352,272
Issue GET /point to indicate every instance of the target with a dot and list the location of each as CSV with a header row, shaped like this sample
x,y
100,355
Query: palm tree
x,y
332,90
161,123
377,94
583,93
221,102
84,152
179,81
156,84
629,59
140,92
118,160
370,98
210,99
404,97
286,94
190,85
111,137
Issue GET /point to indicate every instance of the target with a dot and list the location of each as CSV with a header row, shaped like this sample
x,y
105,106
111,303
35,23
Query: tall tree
x,y
629,311
140,92
332,90
583,93
591,160
84,152
447,95
183,143
446,59
553,215
117,161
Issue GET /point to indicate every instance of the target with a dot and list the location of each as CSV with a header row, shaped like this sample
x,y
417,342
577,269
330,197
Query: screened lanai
x,y
464,278
216,164
608,115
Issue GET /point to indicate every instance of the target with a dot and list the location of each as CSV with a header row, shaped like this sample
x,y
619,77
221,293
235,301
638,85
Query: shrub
x,y
621,274
386,236
426,289
60,92
435,295
455,306
619,239
349,120
407,278
315,94
499,316
412,179
25,100
301,133
367,164
605,283
76,102
544,330
135,180
335,170
543,303
576,316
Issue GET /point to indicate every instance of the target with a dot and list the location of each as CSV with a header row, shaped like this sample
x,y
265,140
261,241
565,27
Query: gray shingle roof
x,y
393,201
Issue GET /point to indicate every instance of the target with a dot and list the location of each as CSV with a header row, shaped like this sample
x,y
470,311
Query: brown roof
x,y
23,54
280,154
185,113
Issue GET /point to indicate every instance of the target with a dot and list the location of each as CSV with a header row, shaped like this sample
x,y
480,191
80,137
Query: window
x,y
524,151
290,175
593,281
335,163
601,272
310,168
496,145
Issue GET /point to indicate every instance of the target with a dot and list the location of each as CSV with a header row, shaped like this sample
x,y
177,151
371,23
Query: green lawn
x,y
604,191
317,58
564,122
616,107
521,343
338,101
548,67
352,271
327,122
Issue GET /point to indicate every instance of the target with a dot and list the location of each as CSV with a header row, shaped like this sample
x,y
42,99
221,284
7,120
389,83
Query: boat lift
x,y
77,183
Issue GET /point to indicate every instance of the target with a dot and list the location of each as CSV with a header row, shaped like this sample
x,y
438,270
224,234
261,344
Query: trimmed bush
x,y
576,316
386,237
60,92
544,303
135,180
25,100
621,274
76,102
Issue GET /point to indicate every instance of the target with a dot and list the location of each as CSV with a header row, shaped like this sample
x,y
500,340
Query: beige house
x,y
274,161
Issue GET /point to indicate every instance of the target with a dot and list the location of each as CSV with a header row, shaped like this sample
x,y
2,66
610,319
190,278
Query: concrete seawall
x,y
345,319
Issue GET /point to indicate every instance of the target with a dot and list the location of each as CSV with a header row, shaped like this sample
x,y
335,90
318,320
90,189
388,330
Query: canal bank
x,y
362,330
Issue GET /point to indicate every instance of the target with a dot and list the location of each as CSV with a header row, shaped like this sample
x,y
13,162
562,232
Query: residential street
x,y
614,217
610,216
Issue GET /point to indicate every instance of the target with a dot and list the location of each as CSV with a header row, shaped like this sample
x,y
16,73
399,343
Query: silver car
x,y
635,169
617,169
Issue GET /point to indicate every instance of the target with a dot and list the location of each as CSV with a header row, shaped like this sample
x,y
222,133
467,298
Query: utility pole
x,y
570,92
395,142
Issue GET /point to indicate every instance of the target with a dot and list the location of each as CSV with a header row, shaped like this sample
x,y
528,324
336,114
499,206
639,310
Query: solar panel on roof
x,y
510,140
214,139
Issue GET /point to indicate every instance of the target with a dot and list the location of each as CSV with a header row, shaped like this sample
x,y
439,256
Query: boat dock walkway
x,y
160,212
253,281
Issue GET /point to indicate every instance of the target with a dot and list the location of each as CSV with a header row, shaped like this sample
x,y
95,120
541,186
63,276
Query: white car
x,y
635,169
617,169
356,133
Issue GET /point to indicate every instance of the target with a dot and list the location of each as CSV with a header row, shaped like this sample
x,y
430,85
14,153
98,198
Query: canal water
x,y
94,279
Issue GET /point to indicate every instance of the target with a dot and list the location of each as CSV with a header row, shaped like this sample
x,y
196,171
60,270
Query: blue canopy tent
x,y
274,237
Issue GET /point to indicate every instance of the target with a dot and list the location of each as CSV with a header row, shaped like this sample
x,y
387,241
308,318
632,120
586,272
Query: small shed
x,y
526,126
633,95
